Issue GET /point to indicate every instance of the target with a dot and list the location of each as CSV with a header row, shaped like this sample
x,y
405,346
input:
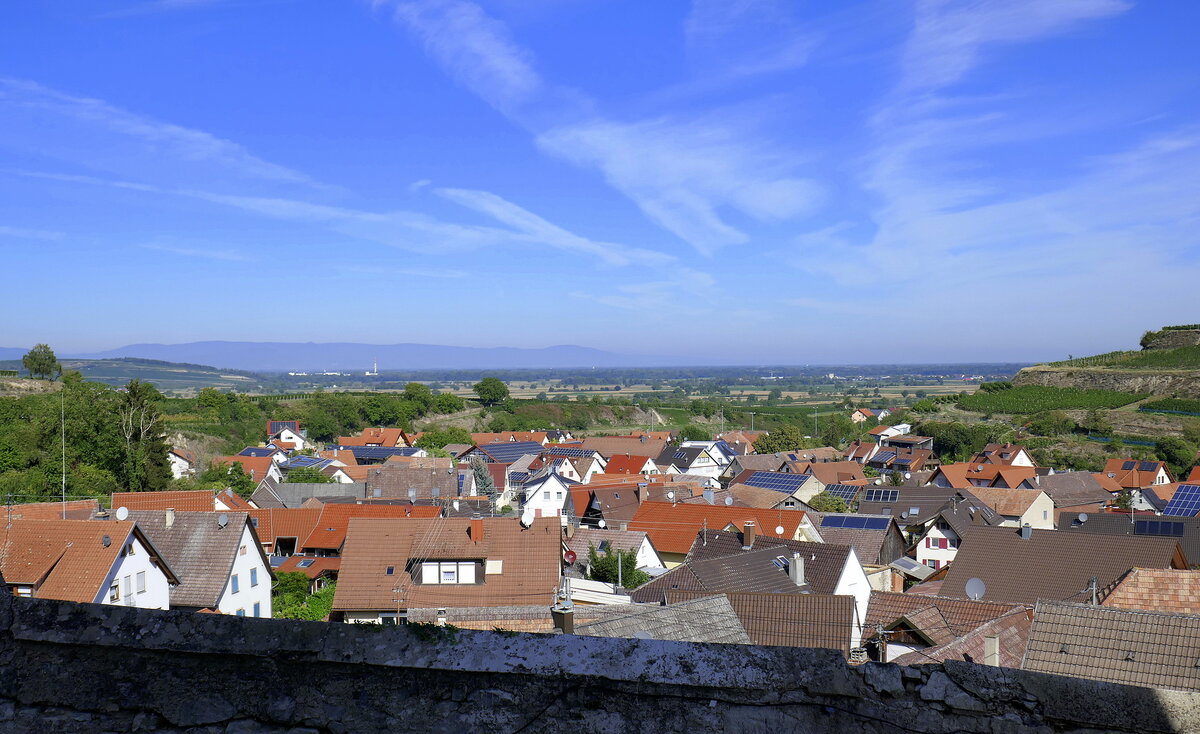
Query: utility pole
x,y
62,412
620,579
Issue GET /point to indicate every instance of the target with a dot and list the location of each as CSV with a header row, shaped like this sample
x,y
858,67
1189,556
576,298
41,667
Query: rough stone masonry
x,y
88,668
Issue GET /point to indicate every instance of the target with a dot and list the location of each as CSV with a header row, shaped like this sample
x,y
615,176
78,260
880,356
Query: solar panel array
x,y
882,495
778,481
573,452
274,427
1148,466
378,453
1128,465
1158,527
883,457
509,451
256,451
1185,503
306,461
855,521
846,492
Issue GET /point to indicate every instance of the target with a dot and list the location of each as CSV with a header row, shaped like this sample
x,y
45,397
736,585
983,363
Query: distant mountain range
x,y
310,357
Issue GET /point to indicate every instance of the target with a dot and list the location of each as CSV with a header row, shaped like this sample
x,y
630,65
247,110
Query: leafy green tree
x,y
146,467
1178,454
40,361
307,475
693,432
784,438
1191,431
290,598
232,476
774,396
436,438
1096,424
419,394
604,568
491,391
825,502
448,402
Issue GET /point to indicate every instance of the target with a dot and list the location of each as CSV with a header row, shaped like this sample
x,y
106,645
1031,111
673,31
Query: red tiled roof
x,y
673,528
192,500
281,522
330,531
1133,478
389,437
626,464
75,510
68,558
258,467
315,567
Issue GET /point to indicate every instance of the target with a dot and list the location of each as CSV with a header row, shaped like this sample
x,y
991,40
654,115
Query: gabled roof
x,y
682,457
232,500
832,472
1131,647
274,523
1011,629
199,549
1011,502
330,531
309,566
274,427
1156,589
746,496
423,475
610,445
257,467
188,456
68,558
673,528
757,462
1134,474
258,451
957,616
1186,530
192,500
999,453
967,475
928,501
376,437
531,559
294,494
73,509
1050,564
626,541
627,464
792,620
1073,488
506,452
868,542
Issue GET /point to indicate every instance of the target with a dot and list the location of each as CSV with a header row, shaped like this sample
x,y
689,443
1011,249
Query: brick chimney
x,y
476,529
748,536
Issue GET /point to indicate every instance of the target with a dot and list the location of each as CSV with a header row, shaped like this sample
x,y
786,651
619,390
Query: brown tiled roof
x,y
870,545
282,522
195,500
1156,589
1011,628
951,617
67,557
745,495
998,453
967,475
330,531
394,480
1073,488
375,437
233,500
1133,478
756,462
1131,647
1051,564
257,467
1012,502
928,501
75,510
295,494
531,560
792,620
831,472
1121,523
315,566
482,439
611,445
673,528
198,549
626,464
623,540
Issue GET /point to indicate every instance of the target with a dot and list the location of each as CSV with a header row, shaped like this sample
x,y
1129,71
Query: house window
x,y
233,581
258,609
241,612
546,495
141,582
254,522
242,551
388,619
254,578
558,495
448,572
114,592
129,549
390,570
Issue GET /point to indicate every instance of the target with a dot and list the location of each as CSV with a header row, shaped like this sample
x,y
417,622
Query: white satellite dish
x,y
671,495
908,475
602,524
1082,518
976,589
878,482
222,520
728,501
779,530
527,517
455,504
122,513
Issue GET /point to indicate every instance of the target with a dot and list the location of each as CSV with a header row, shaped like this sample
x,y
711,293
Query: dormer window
x,y
448,572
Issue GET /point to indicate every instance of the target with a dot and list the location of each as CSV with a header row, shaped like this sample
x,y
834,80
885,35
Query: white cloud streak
x,y
22,233
204,254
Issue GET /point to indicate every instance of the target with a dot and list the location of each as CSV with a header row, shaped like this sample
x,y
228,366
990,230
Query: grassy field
x,y
1172,405
1183,358
1035,398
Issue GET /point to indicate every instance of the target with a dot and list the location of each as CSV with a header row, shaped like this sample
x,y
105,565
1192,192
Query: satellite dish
x,y
878,482
122,513
976,589
908,475
1082,518
527,517
903,515
455,504
106,541
779,530
602,524
728,501
569,557
671,495
222,520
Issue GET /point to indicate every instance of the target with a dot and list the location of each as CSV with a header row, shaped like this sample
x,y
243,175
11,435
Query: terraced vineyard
x,y
1182,358
1172,405
1035,399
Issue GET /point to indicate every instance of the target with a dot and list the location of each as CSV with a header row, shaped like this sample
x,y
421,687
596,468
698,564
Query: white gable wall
x,y
247,563
134,571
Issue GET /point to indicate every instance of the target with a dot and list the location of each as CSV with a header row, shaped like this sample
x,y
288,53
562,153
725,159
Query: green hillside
x,y
166,376
1181,358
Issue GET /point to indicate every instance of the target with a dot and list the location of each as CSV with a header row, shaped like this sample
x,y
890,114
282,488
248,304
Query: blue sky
x,y
788,181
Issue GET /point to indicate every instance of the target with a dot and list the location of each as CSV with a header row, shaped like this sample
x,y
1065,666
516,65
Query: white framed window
x,y
449,573
114,592
242,551
141,582
546,495
128,584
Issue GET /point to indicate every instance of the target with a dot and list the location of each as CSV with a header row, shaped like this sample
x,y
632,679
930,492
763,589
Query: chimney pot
x,y
748,536
796,570
170,517
1026,532
477,529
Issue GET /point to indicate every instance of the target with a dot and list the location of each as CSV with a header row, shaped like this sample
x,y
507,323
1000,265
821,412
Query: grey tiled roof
x,y
1068,489
283,494
198,550
1132,647
1118,523
793,620
702,619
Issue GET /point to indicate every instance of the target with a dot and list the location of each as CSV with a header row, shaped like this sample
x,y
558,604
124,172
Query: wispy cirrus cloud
x,y
198,252
656,296
101,135
731,39
25,233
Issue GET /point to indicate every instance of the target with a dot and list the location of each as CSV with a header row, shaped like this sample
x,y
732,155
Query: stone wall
x,y
86,668
1180,383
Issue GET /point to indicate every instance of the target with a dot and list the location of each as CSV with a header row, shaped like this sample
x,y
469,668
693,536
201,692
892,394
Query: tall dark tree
x,y
491,391
146,467
41,362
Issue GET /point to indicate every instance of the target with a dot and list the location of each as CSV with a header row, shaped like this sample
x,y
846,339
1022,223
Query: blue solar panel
x,y
1185,502
256,451
306,461
883,457
274,427
1148,466
882,495
856,522
509,451
845,491
462,478
834,521
572,451
1158,527
778,481
379,453
1128,465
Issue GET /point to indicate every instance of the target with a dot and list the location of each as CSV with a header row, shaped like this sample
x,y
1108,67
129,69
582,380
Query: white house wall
x,y
157,594
854,582
248,594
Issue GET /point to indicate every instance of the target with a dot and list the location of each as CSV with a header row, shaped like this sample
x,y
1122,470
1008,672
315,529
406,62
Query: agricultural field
x,y
1171,405
1035,399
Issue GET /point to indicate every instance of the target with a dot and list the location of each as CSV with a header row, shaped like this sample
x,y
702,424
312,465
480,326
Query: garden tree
x,y
232,476
40,361
307,475
783,438
491,391
483,478
1096,424
1178,454
541,396
146,466
436,438
604,568
1124,499
290,598
896,478
1051,423
211,397
693,432
825,502
448,402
